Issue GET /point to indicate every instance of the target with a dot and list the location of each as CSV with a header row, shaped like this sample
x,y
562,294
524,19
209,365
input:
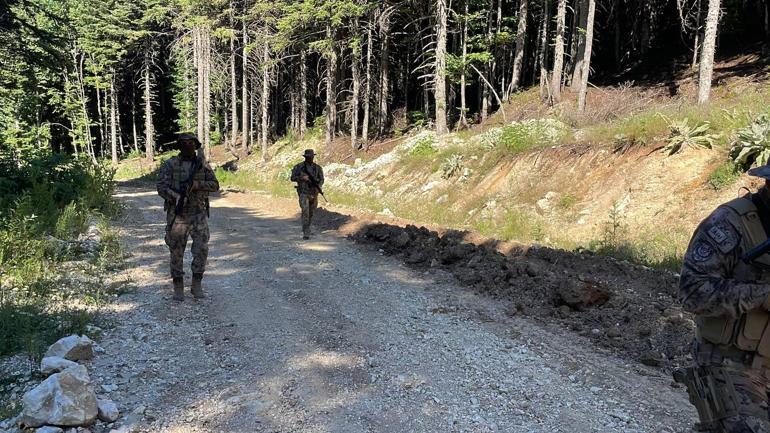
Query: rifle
x,y
757,251
186,188
314,182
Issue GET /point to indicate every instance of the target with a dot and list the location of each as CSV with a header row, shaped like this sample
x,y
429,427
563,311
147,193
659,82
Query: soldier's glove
x,y
175,195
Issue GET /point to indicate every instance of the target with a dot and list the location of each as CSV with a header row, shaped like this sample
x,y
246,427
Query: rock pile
x,y
66,398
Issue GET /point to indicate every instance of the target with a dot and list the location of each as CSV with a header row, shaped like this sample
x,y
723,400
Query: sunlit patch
x,y
317,247
327,360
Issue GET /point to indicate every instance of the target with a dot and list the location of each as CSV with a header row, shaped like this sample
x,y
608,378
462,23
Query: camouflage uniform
x,y
308,195
193,221
729,299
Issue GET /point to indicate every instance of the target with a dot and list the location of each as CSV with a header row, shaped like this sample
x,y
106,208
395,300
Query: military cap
x,y
762,171
309,152
187,136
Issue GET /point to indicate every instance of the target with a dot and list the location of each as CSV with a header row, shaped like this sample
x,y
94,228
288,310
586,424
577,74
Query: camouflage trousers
x,y
741,388
308,203
196,227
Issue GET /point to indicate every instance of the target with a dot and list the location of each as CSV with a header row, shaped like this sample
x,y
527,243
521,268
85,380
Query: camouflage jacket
x,y
173,173
714,280
315,171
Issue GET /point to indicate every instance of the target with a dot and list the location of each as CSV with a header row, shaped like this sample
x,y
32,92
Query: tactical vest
x,y
751,331
179,173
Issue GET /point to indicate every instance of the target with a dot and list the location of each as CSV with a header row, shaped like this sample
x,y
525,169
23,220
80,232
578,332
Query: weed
x,y
752,144
452,166
529,134
567,201
683,134
724,175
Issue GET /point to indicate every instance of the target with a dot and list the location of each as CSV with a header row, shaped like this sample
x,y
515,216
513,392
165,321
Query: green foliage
x,y
416,119
424,147
452,166
752,144
46,194
683,134
567,201
724,175
522,136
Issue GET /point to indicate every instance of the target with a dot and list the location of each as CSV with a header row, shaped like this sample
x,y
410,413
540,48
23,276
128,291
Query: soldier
x,y
187,180
310,179
728,294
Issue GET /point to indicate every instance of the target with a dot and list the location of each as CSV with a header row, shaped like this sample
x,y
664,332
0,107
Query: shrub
x,y
452,166
521,136
752,144
683,134
424,145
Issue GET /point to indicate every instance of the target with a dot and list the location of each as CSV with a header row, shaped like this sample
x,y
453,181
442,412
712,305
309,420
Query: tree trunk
x,y
707,53
331,85
521,42
265,98
543,56
440,77
113,121
206,43
302,93
355,60
488,67
463,99
586,63
233,97
149,130
382,115
200,76
133,122
766,48
245,90
558,53
582,31
368,95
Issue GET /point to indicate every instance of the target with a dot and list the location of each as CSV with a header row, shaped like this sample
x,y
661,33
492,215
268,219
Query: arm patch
x,y
719,230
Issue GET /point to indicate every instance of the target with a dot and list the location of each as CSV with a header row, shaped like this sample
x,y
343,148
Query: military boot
x,y
196,288
178,289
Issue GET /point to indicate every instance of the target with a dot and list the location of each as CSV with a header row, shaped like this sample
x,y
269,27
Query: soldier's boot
x,y
196,288
178,289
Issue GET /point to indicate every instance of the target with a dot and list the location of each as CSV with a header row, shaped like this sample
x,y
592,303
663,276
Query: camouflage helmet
x,y
187,136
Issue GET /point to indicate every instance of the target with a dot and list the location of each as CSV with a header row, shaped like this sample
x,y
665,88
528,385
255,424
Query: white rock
x,y
55,364
49,429
108,411
74,348
64,399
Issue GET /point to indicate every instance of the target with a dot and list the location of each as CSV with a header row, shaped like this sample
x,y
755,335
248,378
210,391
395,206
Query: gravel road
x,y
329,336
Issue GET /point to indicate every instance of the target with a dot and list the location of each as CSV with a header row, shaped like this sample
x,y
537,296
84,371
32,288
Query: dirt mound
x,y
629,309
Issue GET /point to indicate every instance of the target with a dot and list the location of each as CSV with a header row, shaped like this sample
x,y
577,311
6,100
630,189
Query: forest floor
x,y
331,335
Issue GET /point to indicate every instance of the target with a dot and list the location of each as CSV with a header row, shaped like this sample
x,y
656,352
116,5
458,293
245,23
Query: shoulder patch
x,y
702,251
721,231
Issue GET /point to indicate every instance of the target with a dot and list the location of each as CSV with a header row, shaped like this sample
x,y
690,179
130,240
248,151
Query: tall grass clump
x,y
47,200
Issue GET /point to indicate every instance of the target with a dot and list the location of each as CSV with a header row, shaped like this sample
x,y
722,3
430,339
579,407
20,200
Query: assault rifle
x,y
185,189
314,182
757,251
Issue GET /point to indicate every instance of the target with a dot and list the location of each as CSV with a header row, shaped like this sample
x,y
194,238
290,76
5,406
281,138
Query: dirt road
x,y
329,336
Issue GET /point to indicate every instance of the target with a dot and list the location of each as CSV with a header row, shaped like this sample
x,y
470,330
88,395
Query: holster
x,y
712,392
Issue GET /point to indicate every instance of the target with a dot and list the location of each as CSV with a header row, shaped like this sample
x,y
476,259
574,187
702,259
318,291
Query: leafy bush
x,y
752,144
134,154
521,136
724,175
424,145
416,119
683,134
452,166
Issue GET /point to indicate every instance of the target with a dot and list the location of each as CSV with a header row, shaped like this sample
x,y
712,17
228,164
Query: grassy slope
x,y
599,181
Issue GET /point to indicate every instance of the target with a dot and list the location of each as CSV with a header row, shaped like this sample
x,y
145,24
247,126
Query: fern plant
x,y
752,144
683,134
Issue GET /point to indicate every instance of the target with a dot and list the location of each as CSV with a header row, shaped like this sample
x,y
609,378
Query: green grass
x,y
724,175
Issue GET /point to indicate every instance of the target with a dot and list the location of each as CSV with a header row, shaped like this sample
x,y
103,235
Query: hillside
x,y
600,181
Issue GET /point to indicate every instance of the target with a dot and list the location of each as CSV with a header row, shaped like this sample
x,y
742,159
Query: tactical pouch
x,y
753,326
716,330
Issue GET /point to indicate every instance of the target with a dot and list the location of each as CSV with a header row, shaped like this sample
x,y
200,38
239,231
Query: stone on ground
x,y
54,364
64,399
108,410
73,348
